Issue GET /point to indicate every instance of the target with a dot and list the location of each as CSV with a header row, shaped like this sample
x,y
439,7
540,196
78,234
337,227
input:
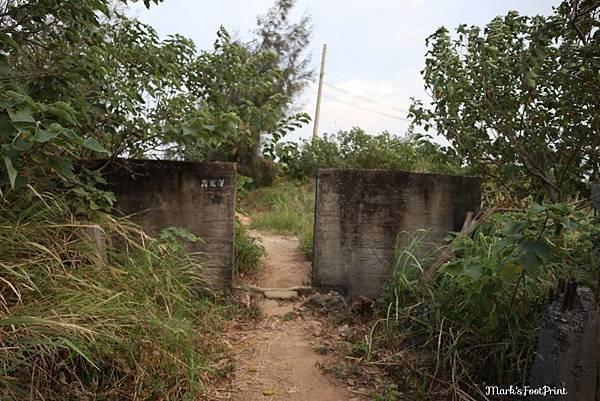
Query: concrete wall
x,y
359,214
194,195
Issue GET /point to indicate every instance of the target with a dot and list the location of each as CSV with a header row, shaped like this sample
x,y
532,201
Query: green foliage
x,y
71,328
386,392
79,79
240,103
248,251
519,99
284,208
175,238
288,41
484,306
54,86
357,149
243,185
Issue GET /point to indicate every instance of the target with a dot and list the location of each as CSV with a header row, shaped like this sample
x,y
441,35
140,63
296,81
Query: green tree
x,y
288,41
78,79
520,100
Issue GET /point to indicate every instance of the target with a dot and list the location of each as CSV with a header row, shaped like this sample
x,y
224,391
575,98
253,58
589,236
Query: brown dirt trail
x,y
275,359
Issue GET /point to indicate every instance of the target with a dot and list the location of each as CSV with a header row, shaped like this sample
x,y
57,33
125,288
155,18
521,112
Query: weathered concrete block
x,y
197,196
567,355
359,214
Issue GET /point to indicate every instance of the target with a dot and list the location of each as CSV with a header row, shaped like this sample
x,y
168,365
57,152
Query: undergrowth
x,y
285,208
476,321
139,325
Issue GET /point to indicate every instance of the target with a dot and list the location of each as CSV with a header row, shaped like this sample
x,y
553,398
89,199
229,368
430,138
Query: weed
x,y
288,317
248,251
322,349
358,149
386,392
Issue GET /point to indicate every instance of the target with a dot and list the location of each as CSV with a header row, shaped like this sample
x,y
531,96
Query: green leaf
x,y
61,165
8,40
536,208
6,128
533,254
93,144
21,145
42,135
513,228
21,116
12,172
510,269
472,270
452,268
64,111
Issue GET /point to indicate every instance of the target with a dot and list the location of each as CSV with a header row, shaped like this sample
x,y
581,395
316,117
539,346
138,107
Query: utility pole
x,y
318,110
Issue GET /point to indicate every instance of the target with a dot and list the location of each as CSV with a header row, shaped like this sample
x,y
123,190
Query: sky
x,y
375,48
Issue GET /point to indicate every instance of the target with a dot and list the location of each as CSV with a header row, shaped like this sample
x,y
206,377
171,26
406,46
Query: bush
x,y
477,320
357,149
248,251
73,329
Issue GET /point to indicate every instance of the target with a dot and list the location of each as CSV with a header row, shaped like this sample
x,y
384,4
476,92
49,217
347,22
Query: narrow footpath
x,y
276,358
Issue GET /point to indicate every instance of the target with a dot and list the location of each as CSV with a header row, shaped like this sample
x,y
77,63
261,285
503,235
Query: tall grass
x,y
285,208
140,326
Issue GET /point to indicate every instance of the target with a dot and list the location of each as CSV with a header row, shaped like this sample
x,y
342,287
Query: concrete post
x,y
96,237
567,355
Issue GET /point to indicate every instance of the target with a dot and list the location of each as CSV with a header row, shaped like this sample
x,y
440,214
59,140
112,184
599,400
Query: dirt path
x,y
284,265
276,359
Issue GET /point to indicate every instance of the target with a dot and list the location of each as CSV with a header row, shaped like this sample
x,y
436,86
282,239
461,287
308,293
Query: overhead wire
x,y
365,108
364,98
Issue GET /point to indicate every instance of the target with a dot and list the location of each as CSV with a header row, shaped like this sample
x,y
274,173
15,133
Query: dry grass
x,y
140,326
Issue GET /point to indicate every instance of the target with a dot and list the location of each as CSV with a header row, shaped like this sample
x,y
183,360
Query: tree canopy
x,y
520,99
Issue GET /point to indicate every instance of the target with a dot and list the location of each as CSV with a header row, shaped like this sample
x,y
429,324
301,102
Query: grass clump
x,y
248,251
139,325
285,208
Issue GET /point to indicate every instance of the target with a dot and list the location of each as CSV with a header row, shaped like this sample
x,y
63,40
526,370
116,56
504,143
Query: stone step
x,y
281,294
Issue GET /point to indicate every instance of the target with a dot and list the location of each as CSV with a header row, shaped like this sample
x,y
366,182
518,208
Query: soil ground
x,y
276,357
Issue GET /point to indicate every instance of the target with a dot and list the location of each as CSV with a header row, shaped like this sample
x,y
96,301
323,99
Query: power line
x,y
364,98
366,109
354,124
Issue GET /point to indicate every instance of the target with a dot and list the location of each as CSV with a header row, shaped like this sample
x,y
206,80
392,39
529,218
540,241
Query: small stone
x,y
344,331
268,392
317,328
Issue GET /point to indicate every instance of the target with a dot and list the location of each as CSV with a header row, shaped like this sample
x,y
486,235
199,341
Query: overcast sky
x,y
376,48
